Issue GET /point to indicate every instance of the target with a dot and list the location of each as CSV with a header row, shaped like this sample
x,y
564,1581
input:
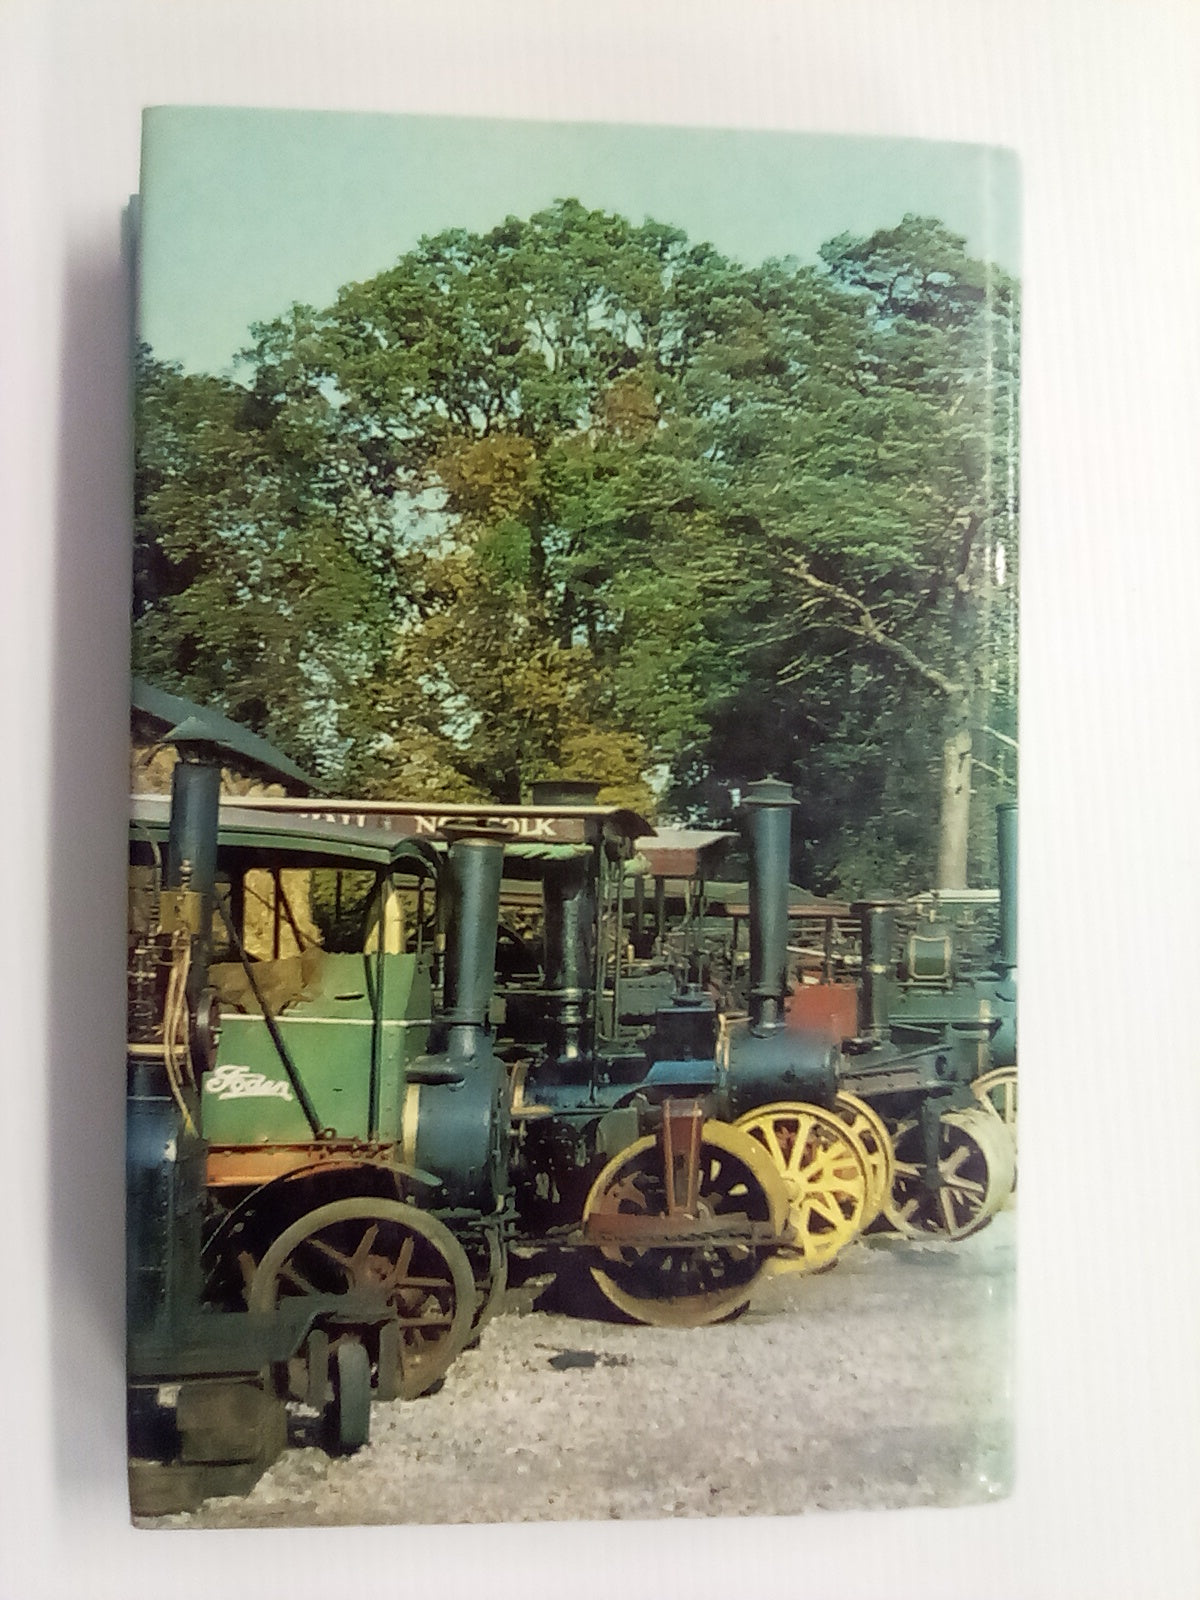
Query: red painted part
x,y
830,1008
683,852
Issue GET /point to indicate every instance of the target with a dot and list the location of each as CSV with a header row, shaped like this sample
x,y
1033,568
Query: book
x,y
573,970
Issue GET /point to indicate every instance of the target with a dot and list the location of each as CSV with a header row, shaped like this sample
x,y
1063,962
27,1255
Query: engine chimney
x,y
769,805
570,958
564,792
878,919
1006,841
163,1150
474,868
191,864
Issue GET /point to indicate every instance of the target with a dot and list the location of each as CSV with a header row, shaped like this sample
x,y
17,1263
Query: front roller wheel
x,y
408,1267
348,1419
974,1176
826,1174
692,1280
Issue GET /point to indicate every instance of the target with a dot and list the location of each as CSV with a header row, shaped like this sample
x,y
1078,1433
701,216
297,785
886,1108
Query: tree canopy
x,y
582,498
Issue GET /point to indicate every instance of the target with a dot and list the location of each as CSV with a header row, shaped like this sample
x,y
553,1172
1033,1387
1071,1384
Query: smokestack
x,y
564,792
769,805
164,1202
570,956
878,935
192,844
473,873
1006,843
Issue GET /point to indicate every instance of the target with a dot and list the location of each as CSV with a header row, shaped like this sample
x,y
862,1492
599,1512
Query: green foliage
x,y
260,563
578,497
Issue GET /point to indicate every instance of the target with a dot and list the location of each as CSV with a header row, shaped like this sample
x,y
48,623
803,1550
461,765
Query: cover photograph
x,y
573,833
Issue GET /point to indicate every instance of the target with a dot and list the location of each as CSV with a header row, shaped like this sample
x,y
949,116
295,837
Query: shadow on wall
x,y
86,892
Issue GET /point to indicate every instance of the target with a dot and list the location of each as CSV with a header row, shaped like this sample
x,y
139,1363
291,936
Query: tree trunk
x,y
955,822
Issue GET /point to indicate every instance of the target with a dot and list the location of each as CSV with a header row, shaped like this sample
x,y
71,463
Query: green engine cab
x,y
329,1049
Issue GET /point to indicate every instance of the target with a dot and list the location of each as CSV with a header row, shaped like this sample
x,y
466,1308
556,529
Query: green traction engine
x,y
935,1056
317,1154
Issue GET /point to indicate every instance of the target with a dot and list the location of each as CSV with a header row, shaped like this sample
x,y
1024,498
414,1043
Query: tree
x,y
506,390
262,567
579,497
871,448
948,333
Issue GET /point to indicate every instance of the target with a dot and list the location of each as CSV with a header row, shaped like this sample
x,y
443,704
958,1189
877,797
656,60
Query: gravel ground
x,y
886,1382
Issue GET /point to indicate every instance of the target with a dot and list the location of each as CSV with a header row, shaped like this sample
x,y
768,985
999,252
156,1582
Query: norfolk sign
x,y
565,830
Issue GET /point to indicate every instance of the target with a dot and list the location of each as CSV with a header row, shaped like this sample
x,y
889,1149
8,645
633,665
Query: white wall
x,y
1100,100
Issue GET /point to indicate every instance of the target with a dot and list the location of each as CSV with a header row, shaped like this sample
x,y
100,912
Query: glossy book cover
x,y
572,943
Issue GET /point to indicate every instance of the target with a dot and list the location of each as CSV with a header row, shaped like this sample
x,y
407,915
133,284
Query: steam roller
x,y
684,1221
722,1147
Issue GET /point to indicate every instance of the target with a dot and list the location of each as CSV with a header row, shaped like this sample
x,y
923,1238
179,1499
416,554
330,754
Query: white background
x,y
1100,100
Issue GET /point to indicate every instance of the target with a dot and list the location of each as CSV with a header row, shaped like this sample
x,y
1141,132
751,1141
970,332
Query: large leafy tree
x,y
262,565
943,383
507,390
580,497
869,443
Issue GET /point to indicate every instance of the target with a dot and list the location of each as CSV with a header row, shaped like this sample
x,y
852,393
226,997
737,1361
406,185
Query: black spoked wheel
x,y
974,1176
406,1268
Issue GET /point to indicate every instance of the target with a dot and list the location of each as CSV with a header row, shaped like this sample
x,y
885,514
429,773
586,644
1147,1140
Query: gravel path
x,y
886,1382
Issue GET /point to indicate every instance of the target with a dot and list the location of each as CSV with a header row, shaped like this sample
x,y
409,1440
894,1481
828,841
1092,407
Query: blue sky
x,y
244,211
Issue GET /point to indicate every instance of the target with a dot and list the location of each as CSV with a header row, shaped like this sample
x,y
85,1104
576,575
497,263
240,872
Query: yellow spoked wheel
x,y
826,1176
705,1272
872,1133
975,1174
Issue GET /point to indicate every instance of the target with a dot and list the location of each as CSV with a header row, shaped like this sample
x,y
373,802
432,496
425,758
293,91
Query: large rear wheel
x,y
404,1266
872,1132
826,1174
996,1091
975,1170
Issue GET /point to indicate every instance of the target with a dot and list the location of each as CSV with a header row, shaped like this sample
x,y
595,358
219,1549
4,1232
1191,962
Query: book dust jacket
x,y
572,941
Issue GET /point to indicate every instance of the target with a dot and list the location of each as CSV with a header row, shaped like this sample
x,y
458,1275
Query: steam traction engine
x,y
317,1186
935,1054
945,977
683,1163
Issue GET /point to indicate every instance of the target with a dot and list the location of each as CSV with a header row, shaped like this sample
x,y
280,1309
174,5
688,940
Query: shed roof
x,y
288,841
169,711
682,852
539,824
